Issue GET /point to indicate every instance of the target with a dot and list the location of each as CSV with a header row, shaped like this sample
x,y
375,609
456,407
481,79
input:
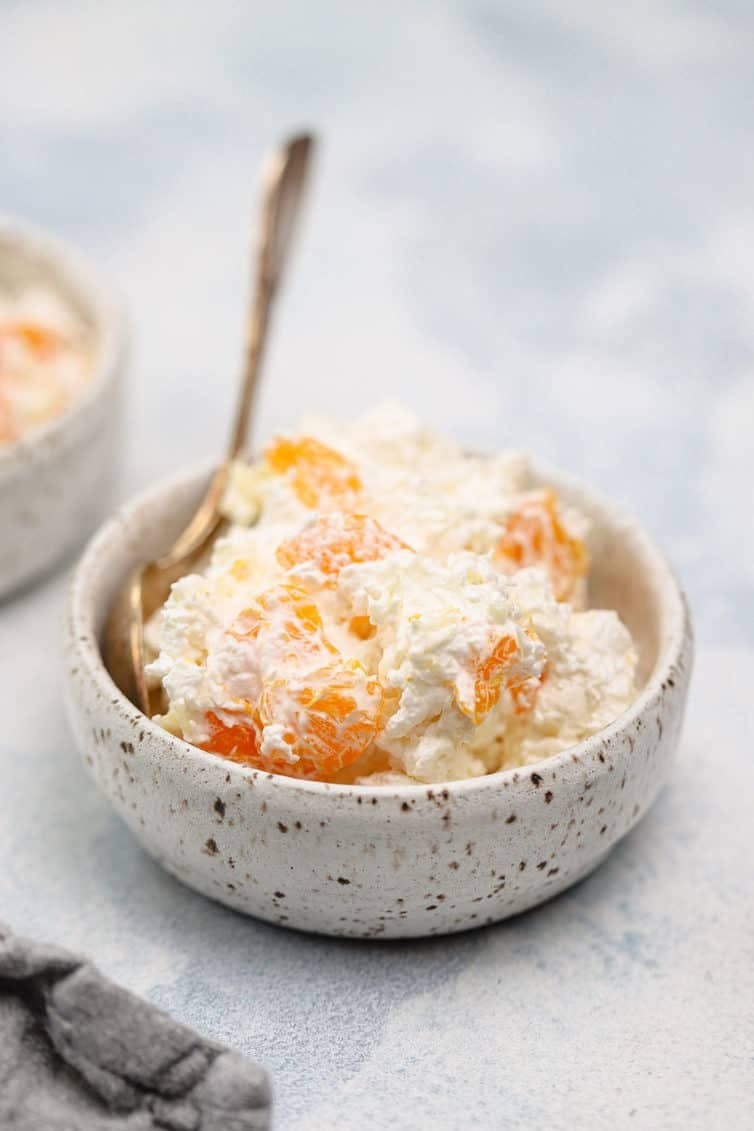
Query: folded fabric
x,y
78,1053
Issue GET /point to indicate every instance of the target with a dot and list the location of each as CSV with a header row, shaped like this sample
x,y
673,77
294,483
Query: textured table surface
x,y
532,228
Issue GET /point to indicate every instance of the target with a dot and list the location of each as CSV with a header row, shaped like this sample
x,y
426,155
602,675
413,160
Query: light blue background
x,y
533,223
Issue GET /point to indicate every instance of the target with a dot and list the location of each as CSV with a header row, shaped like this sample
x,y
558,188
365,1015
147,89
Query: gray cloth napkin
x,y
77,1053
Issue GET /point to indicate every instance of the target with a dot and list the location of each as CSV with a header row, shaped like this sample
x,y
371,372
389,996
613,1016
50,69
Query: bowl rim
x,y
69,271
677,637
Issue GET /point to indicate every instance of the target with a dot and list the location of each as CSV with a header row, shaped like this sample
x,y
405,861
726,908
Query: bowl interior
x,y
628,573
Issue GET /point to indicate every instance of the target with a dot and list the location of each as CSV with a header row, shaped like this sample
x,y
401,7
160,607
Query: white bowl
x,y
54,479
371,861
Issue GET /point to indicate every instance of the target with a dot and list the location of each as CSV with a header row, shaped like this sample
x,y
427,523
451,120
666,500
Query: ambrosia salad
x,y
45,361
386,608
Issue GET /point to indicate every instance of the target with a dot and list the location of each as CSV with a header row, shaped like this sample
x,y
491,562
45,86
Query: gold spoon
x,y
148,585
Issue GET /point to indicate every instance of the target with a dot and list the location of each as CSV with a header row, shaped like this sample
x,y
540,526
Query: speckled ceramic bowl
x,y
53,480
370,861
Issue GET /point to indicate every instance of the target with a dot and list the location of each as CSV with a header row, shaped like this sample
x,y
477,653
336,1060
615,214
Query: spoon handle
x,y
283,182
283,179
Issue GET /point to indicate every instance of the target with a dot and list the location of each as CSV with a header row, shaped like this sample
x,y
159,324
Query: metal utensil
x,y
148,585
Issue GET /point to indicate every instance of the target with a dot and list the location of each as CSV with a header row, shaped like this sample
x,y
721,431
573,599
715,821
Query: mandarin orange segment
x,y
286,617
318,474
239,742
490,675
534,535
38,339
330,716
324,709
336,540
362,627
499,666
289,604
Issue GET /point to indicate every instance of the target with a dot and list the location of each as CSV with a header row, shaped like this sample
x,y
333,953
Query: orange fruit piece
x,y
318,474
288,606
239,742
362,627
328,707
336,540
534,535
39,339
287,619
499,666
330,716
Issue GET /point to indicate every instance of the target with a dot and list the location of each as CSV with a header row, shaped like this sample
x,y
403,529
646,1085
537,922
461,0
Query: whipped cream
x,y
45,361
383,608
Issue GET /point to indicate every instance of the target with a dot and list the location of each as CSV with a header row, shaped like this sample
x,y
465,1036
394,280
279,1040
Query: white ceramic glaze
x,y
370,861
54,480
